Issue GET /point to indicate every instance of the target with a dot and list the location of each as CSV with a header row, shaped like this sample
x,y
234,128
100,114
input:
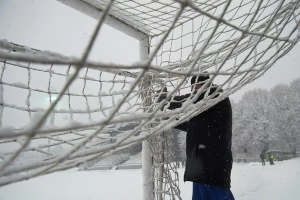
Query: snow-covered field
x,y
250,181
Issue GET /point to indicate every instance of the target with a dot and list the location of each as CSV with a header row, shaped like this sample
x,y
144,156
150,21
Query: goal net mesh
x,y
75,112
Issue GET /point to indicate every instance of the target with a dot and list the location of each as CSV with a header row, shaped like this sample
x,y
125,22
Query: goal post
x,y
147,160
96,13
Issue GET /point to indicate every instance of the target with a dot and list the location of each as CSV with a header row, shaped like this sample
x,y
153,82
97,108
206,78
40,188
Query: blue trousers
x,y
209,192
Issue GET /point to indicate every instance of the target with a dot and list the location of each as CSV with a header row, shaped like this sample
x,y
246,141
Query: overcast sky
x,y
50,25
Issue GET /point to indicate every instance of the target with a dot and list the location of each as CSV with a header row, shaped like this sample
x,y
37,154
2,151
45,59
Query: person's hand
x,y
164,90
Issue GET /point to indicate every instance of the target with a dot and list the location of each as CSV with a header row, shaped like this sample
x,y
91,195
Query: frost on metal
x,y
110,108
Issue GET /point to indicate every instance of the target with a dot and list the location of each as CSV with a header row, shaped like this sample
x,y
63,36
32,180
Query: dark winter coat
x,y
208,143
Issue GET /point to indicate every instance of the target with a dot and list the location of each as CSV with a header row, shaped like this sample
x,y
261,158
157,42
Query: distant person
x,y
271,159
208,145
263,159
183,163
177,163
245,151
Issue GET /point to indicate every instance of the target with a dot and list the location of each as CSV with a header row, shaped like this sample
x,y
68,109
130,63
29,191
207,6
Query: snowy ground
x,y
250,181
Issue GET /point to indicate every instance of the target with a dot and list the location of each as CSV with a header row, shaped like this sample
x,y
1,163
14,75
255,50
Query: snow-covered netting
x,y
59,112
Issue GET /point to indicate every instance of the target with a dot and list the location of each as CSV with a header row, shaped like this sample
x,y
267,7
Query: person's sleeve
x,y
177,101
183,126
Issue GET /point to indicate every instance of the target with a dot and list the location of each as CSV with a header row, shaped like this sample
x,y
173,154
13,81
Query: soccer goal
x,y
102,109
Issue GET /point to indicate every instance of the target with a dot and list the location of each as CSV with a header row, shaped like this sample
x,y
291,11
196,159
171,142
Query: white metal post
x,y
161,167
147,161
148,184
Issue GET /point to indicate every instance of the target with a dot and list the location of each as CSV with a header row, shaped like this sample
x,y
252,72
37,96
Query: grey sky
x,y
50,25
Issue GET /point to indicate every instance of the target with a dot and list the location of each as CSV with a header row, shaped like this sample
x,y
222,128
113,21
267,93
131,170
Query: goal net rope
x,y
75,111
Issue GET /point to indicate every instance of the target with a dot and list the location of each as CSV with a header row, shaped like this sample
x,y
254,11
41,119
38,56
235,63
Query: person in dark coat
x,y
262,157
245,151
208,145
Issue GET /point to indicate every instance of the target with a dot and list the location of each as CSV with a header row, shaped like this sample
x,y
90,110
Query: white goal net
x,y
75,111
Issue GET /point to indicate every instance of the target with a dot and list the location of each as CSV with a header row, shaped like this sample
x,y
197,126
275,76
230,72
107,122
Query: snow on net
x,y
59,112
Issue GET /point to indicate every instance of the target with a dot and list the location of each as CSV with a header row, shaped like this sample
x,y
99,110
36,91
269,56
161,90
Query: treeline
x,y
268,119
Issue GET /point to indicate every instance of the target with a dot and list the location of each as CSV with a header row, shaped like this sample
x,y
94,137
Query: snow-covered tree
x,y
295,100
285,115
239,137
265,119
251,123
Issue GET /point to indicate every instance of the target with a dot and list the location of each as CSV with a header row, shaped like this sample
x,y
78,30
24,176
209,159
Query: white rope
x,y
186,38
